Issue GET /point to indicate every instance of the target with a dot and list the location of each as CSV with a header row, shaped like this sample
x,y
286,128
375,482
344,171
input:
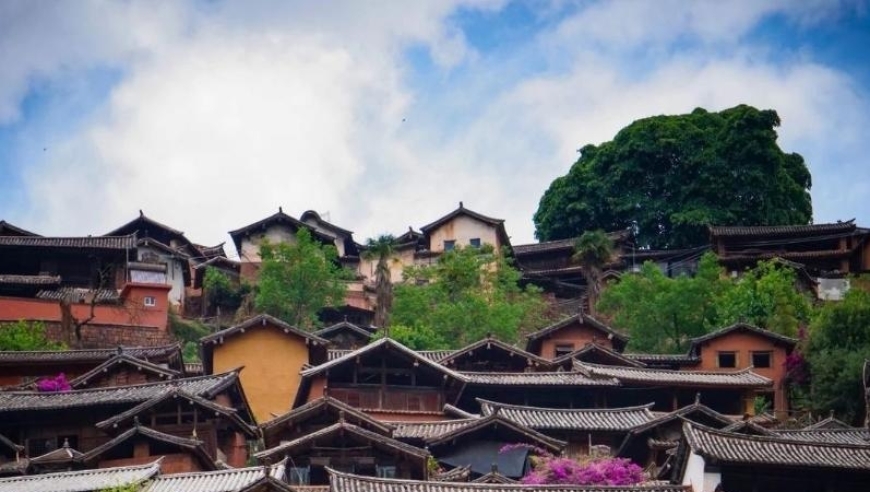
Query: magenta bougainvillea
x,y
549,469
57,383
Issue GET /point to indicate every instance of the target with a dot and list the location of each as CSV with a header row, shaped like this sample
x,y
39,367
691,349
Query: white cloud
x,y
227,111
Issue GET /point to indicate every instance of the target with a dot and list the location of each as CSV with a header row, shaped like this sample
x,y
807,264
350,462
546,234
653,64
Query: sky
x,y
209,115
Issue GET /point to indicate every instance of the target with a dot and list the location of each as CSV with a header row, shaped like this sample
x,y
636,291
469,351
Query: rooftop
x,y
81,481
122,243
214,481
783,230
643,375
586,419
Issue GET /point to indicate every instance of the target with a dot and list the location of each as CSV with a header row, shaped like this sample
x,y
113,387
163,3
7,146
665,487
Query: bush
x,y
26,335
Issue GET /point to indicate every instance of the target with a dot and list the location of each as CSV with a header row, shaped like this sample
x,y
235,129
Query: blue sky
x,y
210,115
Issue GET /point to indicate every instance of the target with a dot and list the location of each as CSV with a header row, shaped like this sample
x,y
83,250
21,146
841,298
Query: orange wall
x,y
132,312
272,361
578,334
744,343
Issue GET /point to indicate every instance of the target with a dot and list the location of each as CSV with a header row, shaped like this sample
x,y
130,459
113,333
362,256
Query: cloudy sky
x,y
210,115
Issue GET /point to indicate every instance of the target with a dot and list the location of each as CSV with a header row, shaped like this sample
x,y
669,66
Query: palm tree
x,y
593,250
383,248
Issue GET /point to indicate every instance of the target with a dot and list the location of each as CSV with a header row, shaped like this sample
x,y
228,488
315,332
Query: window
x,y
386,471
449,245
762,359
728,359
150,301
474,242
563,349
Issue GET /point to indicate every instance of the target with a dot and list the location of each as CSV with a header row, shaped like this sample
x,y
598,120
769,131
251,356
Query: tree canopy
x,y
671,176
26,335
467,294
299,279
839,343
662,313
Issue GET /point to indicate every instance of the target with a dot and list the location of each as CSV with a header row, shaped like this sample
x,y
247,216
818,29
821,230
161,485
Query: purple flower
x,y
53,385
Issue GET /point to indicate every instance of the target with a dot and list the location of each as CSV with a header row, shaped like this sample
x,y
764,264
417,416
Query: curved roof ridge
x,y
646,406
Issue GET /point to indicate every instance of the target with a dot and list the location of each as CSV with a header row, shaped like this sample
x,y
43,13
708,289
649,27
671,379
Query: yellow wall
x,y
462,229
272,361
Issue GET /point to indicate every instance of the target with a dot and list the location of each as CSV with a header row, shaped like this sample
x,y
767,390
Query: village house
x,y
272,352
195,424
23,368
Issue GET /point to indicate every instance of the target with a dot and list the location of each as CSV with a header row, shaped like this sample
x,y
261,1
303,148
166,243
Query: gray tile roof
x,y
428,430
344,430
256,321
490,343
81,481
641,375
383,342
195,446
664,358
782,339
123,358
318,407
87,242
159,353
586,419
858,435
729,448
205,386
78,294
783,230
578,318
214,481
30,279
344,325
537,379
344,482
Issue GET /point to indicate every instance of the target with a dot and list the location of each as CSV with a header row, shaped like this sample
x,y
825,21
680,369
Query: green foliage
x,y
298,280
422,337
674,175
467,294
130,487
766,297
26,335
221,292
188,332
662,313
838,346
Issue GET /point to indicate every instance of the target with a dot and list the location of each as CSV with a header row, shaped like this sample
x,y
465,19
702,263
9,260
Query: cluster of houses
x,y
273,407
136,274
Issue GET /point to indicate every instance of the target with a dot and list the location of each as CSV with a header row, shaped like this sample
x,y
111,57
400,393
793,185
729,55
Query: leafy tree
x,y
467,294
188,332
422,337
767,297
593,250
221,292
299,279
839,344
382,248
674,175
662,313
26,335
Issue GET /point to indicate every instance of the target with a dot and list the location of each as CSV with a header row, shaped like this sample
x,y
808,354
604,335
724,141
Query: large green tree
x,y
661,313
299,279
839,343
674,175
467,294
593,250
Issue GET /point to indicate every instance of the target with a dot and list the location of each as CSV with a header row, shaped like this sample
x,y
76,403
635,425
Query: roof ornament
x,y
461,206
280,209
494,468
65,443
136,422
697,398
341,416
140,213
120,349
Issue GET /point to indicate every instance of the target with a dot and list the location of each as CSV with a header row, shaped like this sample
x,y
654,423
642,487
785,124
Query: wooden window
x,y
762,359
727,359
386,472
474,242
563,349
150,301
449,245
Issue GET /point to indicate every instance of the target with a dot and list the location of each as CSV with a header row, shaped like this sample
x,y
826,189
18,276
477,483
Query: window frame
x,y
559,349
449,244
474,242
149,301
